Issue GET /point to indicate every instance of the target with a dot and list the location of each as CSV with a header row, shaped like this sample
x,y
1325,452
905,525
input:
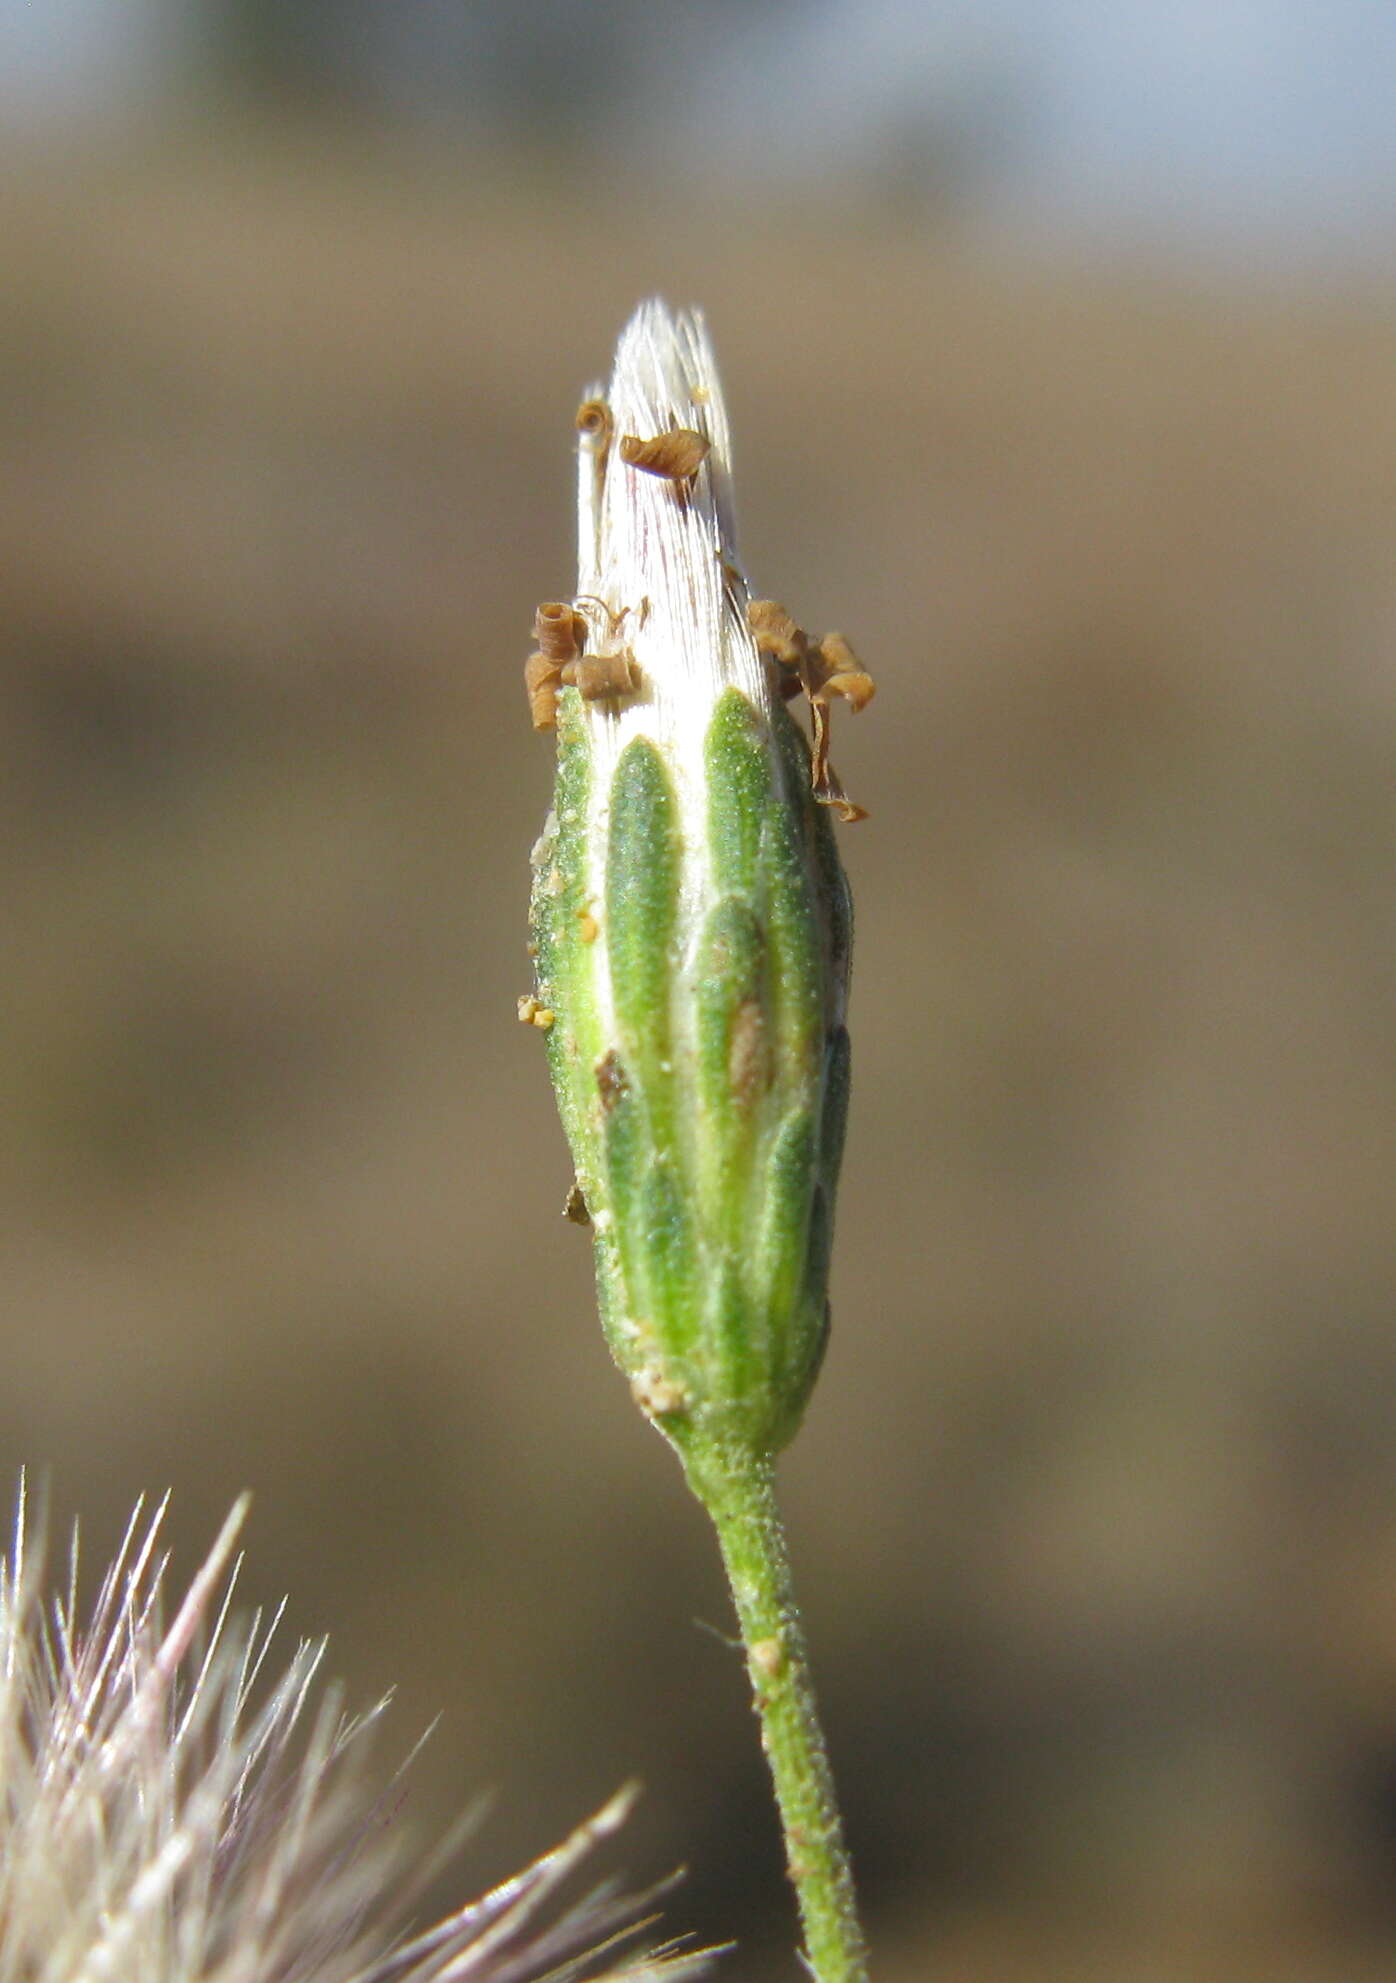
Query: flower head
x,y
171,1813
691,920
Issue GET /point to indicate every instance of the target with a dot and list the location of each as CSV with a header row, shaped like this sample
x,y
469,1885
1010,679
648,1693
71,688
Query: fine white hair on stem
x,y
173,1811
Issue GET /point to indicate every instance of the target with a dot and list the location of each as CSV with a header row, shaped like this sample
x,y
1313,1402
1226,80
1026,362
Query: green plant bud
x,y
691,928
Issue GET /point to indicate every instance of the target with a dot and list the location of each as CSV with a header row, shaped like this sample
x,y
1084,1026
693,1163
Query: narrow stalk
x,y
737,1487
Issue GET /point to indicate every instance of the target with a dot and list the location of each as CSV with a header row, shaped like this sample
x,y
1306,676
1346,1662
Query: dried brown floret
x,y
824,780
598,675
541,680
842,673
677,454
594,420
776,632
559,630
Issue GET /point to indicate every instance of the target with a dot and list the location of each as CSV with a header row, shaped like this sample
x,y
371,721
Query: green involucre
x,y
704,1093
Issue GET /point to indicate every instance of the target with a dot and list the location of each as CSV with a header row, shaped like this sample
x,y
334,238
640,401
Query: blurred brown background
x,y
1095,1510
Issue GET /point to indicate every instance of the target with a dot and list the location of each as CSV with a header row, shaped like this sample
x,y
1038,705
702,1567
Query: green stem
x,y
737,1487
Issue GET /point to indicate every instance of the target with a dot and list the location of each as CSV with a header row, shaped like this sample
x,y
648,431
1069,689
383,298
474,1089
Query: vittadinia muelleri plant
x,y
691,930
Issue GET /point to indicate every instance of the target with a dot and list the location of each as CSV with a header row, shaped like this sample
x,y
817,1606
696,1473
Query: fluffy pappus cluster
x,y
172,1810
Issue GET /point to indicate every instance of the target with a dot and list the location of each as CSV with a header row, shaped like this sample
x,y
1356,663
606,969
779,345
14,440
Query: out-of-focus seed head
x,y
170,1812
691,927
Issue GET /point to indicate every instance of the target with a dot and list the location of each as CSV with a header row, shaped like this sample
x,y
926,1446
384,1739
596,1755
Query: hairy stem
x,y
737,1487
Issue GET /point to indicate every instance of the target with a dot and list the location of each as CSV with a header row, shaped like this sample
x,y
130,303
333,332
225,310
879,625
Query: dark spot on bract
x,y
612,1082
